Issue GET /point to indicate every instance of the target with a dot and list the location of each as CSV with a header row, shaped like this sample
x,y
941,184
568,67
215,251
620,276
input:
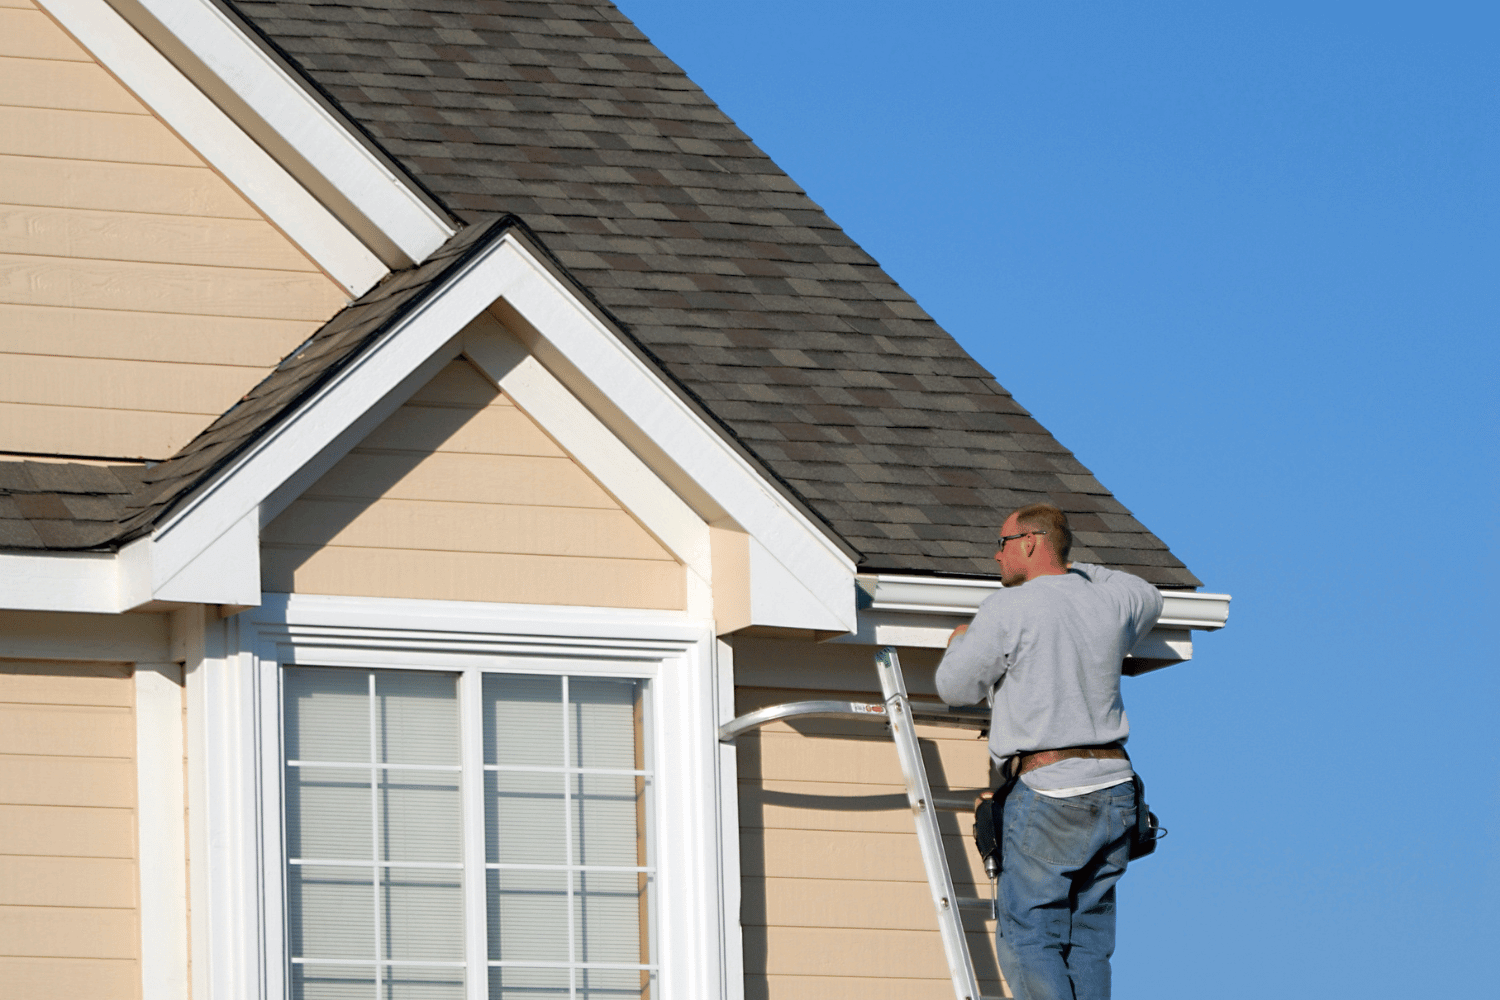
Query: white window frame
x,y
236,757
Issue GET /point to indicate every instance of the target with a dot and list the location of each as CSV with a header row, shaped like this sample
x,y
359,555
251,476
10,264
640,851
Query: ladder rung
x,y
957,800
935,713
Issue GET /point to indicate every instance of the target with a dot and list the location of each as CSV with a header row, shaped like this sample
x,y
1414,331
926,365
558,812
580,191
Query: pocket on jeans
x,y
1062,831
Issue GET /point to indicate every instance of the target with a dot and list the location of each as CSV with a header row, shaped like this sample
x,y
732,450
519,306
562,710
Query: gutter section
x,y
921,611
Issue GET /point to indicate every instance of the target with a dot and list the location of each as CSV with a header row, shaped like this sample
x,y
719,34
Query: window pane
x,y
523,720
333,982
604,716
610,916
524,821
406,983
331,911
510,983
528,915
614,984
608,822
328,813
422,914
327,715
421,816
416,719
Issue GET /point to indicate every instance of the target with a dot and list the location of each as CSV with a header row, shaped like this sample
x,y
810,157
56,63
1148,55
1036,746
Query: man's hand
x,y
958,632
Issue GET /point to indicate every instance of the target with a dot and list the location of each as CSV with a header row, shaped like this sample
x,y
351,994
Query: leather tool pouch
x,y
1147,830
989,816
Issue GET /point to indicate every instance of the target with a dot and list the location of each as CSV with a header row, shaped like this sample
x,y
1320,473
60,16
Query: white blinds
x,y
565,797
375,829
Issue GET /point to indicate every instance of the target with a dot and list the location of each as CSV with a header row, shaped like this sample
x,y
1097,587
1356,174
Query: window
x,y
423,805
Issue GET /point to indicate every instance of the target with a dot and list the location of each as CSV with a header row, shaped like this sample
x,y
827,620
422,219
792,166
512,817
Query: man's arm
x,y
974,661
1143,601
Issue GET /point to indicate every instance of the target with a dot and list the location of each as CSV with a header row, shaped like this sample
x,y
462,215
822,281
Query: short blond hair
x,y
1045,517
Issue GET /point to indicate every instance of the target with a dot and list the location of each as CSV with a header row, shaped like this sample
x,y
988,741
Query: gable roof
x,y
722,271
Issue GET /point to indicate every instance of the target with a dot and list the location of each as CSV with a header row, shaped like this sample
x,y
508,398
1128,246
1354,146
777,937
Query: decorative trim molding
x,y
234,721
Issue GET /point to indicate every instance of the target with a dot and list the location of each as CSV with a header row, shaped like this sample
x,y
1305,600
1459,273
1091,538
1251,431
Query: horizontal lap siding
x,y
140,295
461,496
68,884
835,901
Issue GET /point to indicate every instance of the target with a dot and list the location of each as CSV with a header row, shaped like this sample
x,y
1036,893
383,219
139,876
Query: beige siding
x,y
461,496
834,897
140,295
68,918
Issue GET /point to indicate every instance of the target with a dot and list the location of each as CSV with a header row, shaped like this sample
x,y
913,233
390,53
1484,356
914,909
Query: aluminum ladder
x,y
900,714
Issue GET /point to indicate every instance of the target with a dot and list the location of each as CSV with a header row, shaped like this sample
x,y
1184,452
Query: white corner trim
x,y
1183,609
161,816
660,417
226,147
284,106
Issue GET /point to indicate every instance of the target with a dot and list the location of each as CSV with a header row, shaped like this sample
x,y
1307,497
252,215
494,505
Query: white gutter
x,y
922,611
936,596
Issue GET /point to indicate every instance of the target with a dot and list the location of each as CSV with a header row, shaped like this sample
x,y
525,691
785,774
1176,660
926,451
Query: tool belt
x,y
989,813
1023,763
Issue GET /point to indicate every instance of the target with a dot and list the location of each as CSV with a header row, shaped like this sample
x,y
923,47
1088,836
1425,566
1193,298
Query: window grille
x,y
375,828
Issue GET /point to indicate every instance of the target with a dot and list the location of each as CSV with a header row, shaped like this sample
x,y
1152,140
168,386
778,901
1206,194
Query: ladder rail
x,y
929,834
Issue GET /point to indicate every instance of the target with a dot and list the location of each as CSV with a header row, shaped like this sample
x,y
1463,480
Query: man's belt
x,y
1025,762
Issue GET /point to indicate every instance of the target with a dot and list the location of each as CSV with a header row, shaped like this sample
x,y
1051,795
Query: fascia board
x,y
59,581
1182,609
220,141
659,416
392,215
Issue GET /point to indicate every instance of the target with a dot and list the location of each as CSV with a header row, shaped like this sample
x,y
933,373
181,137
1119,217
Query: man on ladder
x,y
1047,650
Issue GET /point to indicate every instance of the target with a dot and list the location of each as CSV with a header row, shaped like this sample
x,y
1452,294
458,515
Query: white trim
x,y
280,453
656,454
565,335
161,831
59,581
235,155
393,217
239,932
733,958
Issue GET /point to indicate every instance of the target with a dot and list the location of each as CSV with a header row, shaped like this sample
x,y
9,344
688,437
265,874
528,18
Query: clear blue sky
x,y
1242,259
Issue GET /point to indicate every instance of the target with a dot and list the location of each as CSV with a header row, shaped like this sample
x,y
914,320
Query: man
x,y
1047,649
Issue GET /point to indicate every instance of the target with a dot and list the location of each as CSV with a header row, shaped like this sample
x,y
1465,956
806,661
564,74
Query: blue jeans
x,y
1061,859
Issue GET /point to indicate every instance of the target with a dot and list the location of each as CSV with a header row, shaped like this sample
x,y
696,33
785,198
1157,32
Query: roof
x,y
702,251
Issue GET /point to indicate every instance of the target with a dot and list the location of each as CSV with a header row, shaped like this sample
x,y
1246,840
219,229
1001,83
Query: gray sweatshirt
x,y
1049,654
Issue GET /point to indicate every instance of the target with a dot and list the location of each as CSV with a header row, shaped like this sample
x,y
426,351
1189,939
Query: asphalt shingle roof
x,y
717,264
